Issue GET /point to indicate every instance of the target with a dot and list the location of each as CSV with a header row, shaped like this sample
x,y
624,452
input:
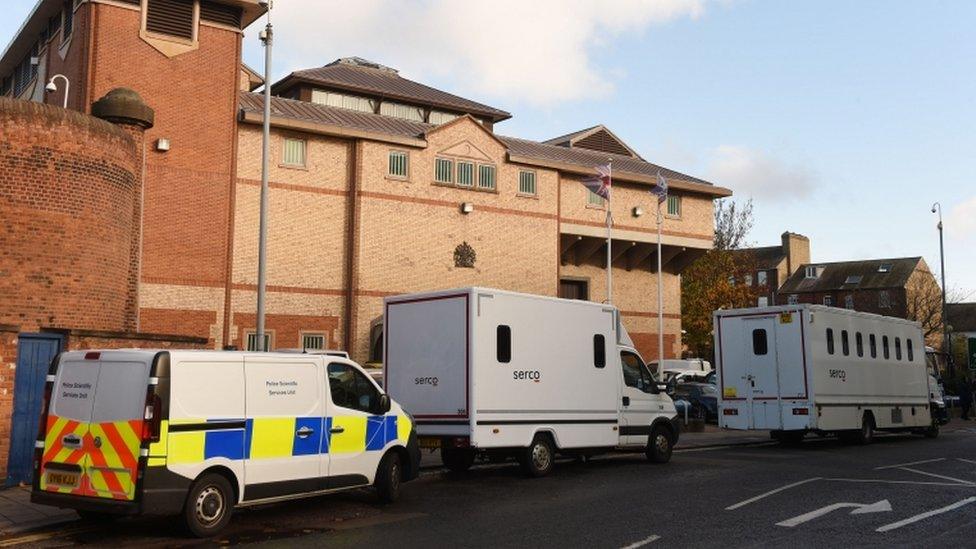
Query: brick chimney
x,y
797,250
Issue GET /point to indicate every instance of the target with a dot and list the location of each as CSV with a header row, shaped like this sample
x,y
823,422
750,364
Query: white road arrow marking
x,y
642,542
859,509
923,516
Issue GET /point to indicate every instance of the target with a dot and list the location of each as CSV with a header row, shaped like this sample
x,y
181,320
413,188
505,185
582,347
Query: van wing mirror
x,y
385,403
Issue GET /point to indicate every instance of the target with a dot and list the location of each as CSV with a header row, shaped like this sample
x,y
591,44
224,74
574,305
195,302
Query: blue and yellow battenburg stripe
x,y
277,437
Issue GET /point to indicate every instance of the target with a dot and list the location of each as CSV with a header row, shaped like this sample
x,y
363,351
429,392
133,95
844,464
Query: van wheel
x,y
457,460
866,434
537,460
932,431
388,478
659,445
208,505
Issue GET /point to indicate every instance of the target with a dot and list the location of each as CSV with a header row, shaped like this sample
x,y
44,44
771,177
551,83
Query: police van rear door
x,y
94,427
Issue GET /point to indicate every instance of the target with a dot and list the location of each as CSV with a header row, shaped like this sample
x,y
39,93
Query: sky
x,y
843,121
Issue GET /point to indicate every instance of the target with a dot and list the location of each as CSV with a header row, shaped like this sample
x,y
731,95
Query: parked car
x,y
685,369
703,398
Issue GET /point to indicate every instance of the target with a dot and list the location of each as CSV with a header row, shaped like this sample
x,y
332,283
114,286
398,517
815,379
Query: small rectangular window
x,y
486,177
252,341
828,300
761,278
443,170
884,299
811,272
897,348
849,301
69,17
830,341
760,346
674,205
293,152
859,343
874,345
599,351
594,199
398,164
884,347
313,341
503,344
526,182
763,301
911,351
465,174
845,344
792,299
747,280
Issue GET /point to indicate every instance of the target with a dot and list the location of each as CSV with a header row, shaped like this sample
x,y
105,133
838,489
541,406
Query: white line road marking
x,y
769,493
923,516
907,464
859,509
959,480
643,542
882,481
966,460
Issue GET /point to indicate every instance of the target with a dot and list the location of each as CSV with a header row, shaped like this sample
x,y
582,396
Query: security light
x,y
51,87
467,207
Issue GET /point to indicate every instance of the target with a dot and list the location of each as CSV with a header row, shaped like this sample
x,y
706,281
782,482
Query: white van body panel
x,y
799,384
441,361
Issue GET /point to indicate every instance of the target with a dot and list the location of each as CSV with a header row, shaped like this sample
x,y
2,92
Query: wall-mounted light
x,y
162,144
467,207
638,211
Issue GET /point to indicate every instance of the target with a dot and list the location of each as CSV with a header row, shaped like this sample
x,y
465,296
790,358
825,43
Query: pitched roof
x,y
835,276
596,138
766,257
961,316
519,150
360,75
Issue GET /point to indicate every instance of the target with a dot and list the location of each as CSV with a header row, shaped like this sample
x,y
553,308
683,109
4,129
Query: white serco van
x,y
506,374
794,369
200,432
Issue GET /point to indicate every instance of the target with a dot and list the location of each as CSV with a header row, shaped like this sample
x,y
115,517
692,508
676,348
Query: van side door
x,y
358,433
640,401
285,412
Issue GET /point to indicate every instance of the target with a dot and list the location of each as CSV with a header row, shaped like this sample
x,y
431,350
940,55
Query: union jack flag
x,y
661,189
600,182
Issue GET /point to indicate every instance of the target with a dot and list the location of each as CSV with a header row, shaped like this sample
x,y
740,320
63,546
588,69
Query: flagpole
x,y
609,233
660,292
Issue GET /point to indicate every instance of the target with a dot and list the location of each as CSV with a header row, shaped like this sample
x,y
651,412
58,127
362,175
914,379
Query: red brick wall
x,y
191,323
287,329
74,66
69,203
646,345
8,365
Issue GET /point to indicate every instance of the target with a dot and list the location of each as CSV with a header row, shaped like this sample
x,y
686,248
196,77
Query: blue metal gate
x,y
34,354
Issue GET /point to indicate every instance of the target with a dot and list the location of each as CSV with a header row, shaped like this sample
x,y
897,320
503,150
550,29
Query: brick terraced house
x,y
379,185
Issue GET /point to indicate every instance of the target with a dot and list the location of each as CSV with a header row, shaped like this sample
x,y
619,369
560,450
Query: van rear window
x,y
830,341
503,343
760,345
599,351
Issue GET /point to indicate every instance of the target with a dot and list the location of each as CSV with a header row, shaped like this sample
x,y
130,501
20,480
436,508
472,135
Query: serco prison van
x,y
795,369
200,432
506,374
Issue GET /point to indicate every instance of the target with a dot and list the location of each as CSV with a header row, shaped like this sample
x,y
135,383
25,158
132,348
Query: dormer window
x,y
812,271
853,279
441,117
401,110
343,101
884,268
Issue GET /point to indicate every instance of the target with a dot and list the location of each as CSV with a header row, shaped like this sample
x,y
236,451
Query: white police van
x,y
202,432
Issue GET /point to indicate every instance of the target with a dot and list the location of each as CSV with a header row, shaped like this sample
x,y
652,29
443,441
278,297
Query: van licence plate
x,y
63,479
432,443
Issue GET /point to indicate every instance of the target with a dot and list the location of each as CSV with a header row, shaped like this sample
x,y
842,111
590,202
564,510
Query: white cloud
x,y
537,51
756,173
960,224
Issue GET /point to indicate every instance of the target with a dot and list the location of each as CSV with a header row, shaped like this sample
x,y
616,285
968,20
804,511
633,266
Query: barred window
x,y
526,182
486,177
440,117
252,341
400,110
465,174
293,152
443,170
674,205
398,164
313,341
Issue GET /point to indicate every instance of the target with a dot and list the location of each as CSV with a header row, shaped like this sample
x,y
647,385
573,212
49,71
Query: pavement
x,y
721,489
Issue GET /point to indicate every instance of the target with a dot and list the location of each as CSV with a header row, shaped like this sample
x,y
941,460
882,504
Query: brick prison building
x,y
379,185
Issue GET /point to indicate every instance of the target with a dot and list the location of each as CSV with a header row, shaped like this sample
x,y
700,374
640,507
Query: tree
x,y
923,304
715,281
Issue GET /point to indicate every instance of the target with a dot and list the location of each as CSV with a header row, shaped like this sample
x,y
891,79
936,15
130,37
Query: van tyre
x,y
457,460
932,431
208,505
866,434
537,460
660,445
389,477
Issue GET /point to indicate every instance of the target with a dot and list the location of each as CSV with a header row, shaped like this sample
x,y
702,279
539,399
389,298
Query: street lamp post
x,y
946,340
266,38
52,87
